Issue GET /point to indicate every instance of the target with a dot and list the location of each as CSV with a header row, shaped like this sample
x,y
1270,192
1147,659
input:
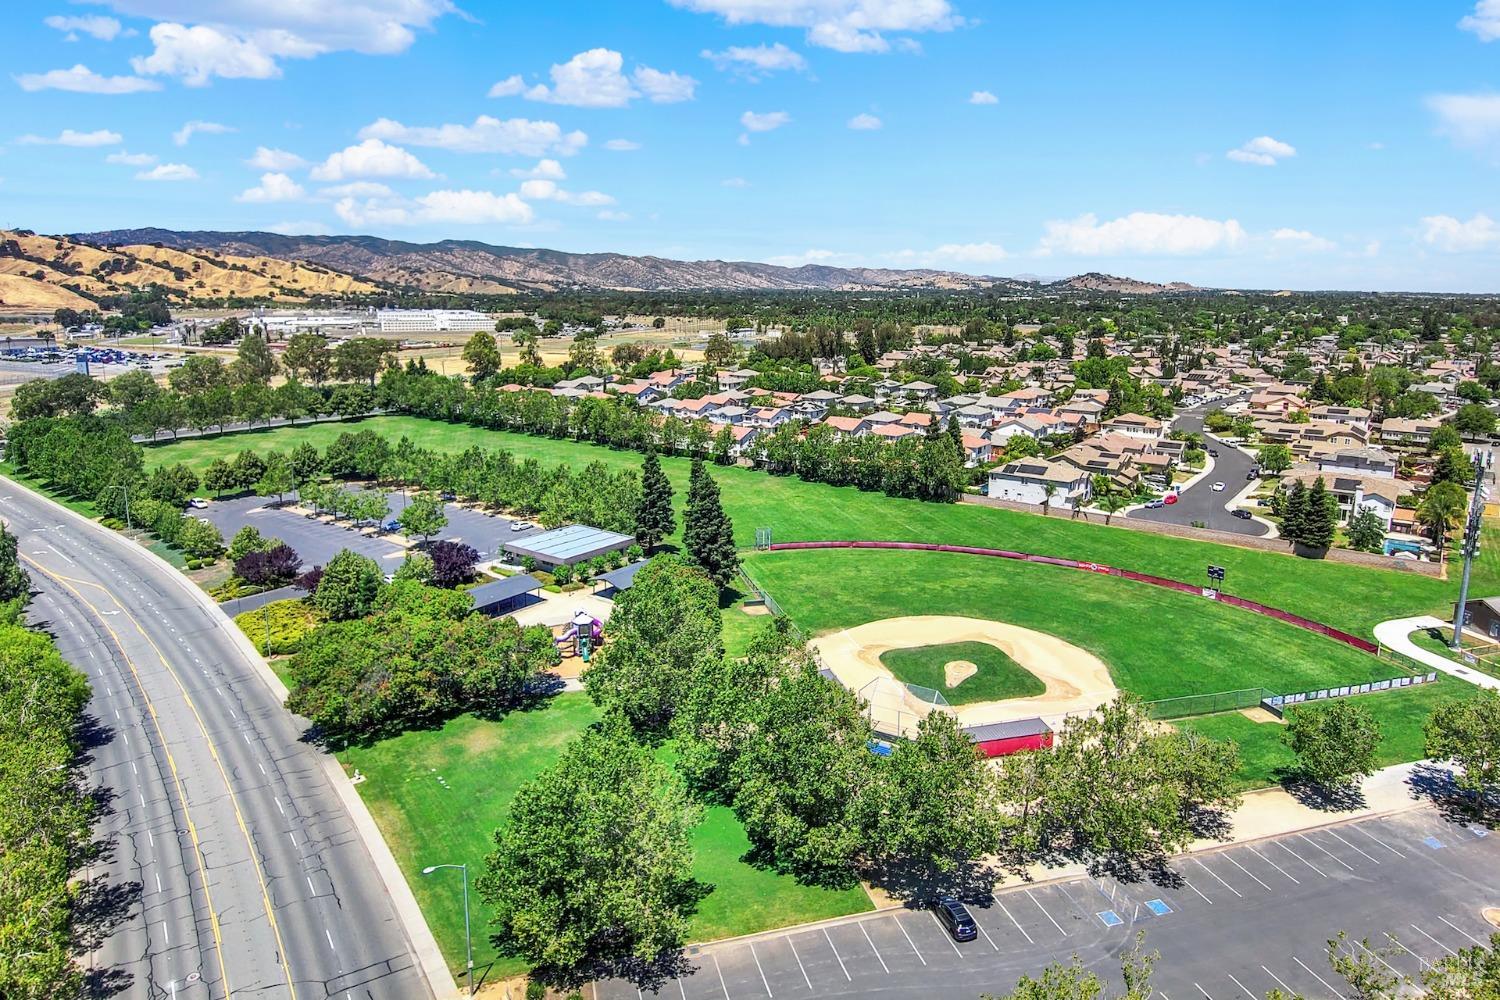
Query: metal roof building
x,y
500,596
620,579
568,546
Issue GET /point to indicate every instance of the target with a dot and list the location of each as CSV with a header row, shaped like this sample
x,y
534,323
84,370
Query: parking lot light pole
x,y
468,941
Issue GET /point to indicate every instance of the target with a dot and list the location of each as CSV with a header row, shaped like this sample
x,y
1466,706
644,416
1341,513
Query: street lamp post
x,y
126,490
468,940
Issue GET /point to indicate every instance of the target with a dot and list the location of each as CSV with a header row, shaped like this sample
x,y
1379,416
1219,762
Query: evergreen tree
x,y
654,519
956,434
1321,519
1294,514
706,530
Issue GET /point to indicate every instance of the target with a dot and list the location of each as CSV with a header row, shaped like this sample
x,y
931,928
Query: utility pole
x,y
1470,546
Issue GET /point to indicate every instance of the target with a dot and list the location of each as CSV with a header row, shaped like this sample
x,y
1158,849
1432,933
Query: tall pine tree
x,y
706,530
1294,514
1322,518
654,520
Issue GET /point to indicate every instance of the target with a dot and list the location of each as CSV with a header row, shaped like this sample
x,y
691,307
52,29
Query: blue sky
x,y
1251,144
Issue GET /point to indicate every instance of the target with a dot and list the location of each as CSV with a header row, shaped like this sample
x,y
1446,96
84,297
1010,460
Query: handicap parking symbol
x,y
1158,907
1110,918
1432,842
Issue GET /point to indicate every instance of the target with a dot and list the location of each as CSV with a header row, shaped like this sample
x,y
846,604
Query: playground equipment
x,y
584,633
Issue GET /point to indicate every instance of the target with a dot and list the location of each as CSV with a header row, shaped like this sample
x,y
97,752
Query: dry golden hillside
x,y
69,268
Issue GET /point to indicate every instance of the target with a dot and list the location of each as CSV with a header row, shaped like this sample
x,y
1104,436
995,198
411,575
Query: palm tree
x,y
1049,490
1113,502
1441,509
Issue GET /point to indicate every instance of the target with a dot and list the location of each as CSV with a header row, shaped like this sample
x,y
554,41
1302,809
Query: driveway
x,y
1200,503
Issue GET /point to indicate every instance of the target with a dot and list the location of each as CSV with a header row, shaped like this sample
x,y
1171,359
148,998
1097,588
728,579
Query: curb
x,y
418,935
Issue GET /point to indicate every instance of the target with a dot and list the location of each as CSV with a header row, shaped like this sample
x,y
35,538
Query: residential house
x,y
1028,481
1372,462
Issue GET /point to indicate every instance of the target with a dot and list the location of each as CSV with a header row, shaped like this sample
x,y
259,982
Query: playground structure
x,y
584,633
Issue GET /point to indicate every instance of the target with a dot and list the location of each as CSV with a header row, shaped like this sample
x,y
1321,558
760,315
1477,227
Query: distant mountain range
x,y
467,266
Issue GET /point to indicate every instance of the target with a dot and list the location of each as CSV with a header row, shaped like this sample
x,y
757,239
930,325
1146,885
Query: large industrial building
x,y
434,321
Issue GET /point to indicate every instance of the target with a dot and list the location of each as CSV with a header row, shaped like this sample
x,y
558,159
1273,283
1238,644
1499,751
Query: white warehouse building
x,y
434,321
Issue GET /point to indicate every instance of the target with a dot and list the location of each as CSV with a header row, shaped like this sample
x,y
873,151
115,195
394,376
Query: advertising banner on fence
x,y
1280,702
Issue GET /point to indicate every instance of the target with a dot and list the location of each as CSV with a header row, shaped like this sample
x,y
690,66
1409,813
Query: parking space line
x,y
1216,876
762,972
1195,889
1274,865
1341,840
909,941
1433,940
798,957
1247,871
722,985
1016,922
1373,954
1301,859
836,955
1289,990
1327,852
1465,933
986,934
876,950
1242,986
1377,840
1330,989
1204,992
946,936
1049,916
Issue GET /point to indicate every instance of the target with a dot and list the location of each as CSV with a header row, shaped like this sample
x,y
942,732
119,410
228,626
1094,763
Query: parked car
x,y
393,526
198,502
1169,498
956,917
519,526
1154,504
1218,487
1252,475
1213,453
1241,513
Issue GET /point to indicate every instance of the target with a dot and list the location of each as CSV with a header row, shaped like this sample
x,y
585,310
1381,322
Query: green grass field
x,y
1401,714
1349,597
439,794
999,676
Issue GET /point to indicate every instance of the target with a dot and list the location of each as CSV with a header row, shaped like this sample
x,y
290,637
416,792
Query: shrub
x,y
273,567
289,622
452,563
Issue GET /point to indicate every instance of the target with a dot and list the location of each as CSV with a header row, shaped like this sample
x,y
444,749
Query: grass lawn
x,y
999,676
1436,641
1350,597
1401,714
1158,643
439,794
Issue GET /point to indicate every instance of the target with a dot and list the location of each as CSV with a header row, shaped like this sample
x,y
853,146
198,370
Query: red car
x,y
1169,498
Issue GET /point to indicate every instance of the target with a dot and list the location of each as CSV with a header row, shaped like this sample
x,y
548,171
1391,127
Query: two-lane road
x,y
1201,504
247,875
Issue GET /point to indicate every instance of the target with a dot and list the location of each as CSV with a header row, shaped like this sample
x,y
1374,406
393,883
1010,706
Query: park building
x,y
434,321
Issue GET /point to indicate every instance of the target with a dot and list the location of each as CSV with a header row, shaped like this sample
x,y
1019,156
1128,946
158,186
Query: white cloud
x,y
273,187
105,29
1485,21
371,158
197,54
1471,120
509,87
756,62
548,169
168,172
844,25
541,189
305,227
1301,239
865,123
471,207
812,256
125,159
266,158
511,136
734,182
766,121
622,145
983,97
72,137
596,79
182,135
610,215
970,253
357,189
1262,151
82,80
1454,236
1140,233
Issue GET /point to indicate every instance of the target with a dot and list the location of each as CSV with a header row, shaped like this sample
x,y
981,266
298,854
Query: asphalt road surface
x,y
1229,924
234,869
1201,504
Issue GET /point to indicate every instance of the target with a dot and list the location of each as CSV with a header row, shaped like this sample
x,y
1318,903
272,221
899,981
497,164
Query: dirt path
x,y
1076,681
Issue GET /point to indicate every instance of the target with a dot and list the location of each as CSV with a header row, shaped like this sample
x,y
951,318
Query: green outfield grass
x,y
1264,759
999,676
1349,597
439,794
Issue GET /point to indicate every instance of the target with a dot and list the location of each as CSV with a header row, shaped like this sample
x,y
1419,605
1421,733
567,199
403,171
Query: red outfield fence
x,y
1091,567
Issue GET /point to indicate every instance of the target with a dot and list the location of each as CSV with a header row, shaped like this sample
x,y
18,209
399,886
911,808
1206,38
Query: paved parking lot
x,y
1233,923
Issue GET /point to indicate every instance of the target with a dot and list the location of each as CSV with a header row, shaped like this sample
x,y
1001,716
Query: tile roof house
x,y
1027,481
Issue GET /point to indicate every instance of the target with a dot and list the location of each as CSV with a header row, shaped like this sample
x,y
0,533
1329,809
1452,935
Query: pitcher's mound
x,y
955,672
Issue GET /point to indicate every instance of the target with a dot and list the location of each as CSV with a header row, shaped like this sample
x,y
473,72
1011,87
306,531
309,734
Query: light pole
x,y
468,940
1470,547
126,489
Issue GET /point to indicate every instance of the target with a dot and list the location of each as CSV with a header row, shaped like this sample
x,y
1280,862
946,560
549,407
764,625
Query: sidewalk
x,y
1396,634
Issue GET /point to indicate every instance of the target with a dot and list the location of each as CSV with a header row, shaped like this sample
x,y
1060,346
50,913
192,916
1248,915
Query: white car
x,y
198,502
519,526
1218,487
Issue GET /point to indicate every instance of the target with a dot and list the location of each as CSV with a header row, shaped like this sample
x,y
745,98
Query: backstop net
x,y
895,709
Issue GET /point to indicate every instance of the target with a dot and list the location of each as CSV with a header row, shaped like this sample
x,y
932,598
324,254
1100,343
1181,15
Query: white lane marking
x,y
763,980
798,957
1328,852
151,838
1247,871
1015,921
876,950
293,836
1216,875
1195,889
1319,978
1301,859
908,941
310,885
1433,940
165,933
1464,932
1377,958
133,768
329,935
262,769
836,955
158,882
1203,991
1275,866
1377,840
277,800
142,797
986,934
1289,990
720,971
1242,986
946,936
1049,916
1346,843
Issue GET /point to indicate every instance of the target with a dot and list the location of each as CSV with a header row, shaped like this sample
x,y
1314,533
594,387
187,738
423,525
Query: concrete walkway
x,y
1396,634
